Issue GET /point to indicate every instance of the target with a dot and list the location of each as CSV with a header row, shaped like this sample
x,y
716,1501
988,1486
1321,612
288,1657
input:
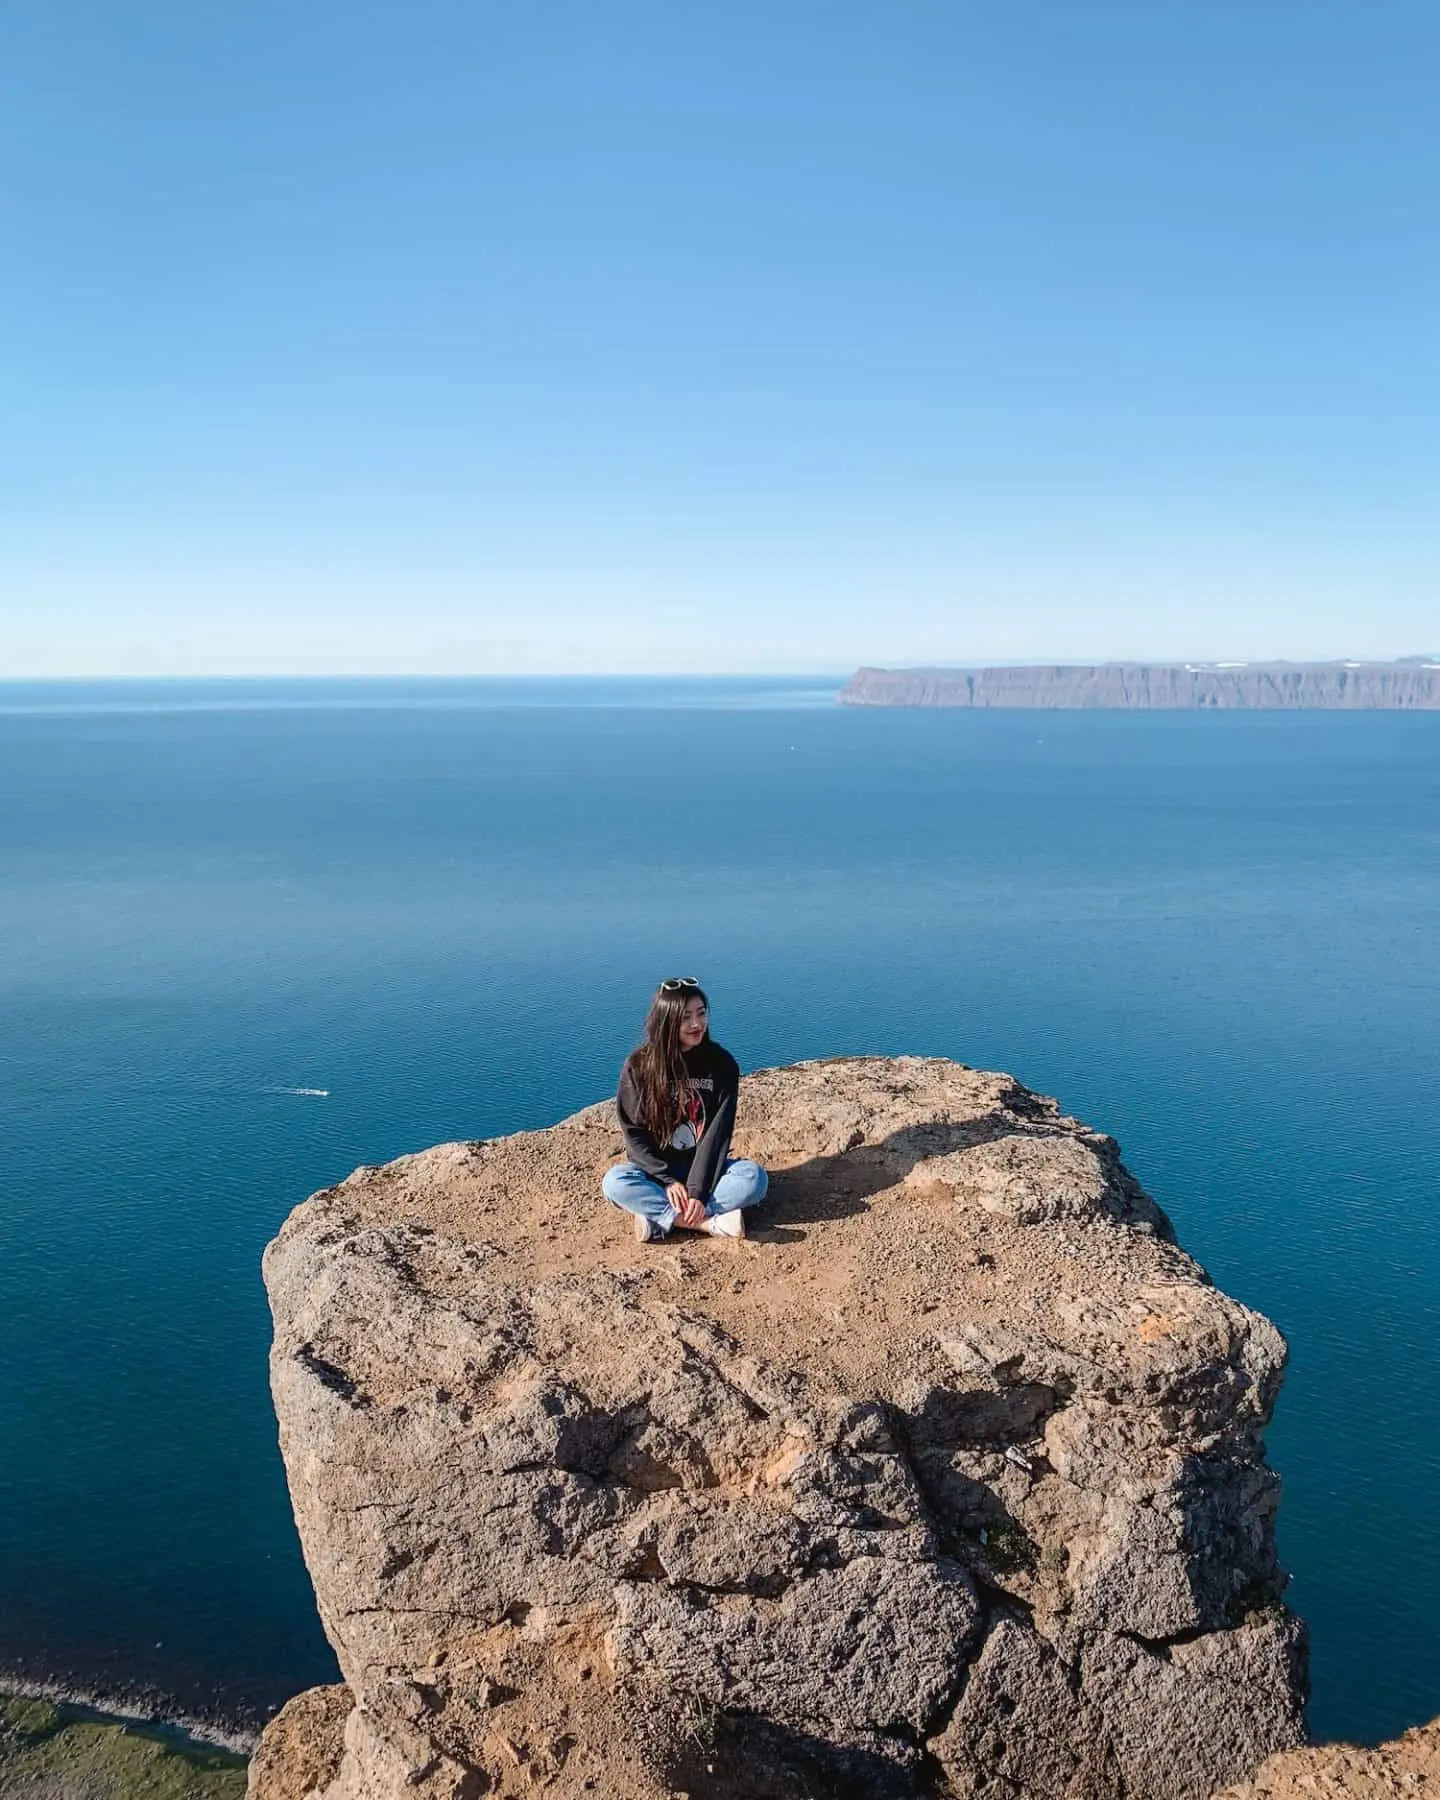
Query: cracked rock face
x,y
949,1481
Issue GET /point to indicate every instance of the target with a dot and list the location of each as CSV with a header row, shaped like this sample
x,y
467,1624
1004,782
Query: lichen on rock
x,y
949,1481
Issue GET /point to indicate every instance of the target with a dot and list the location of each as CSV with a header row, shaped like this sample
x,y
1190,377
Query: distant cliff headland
x,y
1409,685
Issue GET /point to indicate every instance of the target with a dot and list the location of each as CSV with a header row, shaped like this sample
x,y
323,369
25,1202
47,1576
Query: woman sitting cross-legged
x,y
677,1113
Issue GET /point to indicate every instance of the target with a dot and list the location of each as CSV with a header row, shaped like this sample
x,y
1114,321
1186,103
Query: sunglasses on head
x,y
682,981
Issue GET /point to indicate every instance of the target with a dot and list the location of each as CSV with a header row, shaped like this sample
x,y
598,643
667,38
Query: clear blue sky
x,y
639,335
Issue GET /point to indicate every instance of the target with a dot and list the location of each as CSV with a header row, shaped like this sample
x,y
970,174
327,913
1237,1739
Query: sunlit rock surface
x,y
949,1481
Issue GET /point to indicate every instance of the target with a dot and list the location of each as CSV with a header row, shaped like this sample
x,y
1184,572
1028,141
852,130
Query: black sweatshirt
x,y
700,1143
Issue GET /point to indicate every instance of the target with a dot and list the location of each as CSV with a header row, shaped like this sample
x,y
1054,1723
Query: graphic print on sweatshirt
x,y
688,1133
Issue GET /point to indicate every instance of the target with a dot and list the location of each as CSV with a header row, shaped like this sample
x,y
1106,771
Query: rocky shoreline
x,y
138,1706
57,1747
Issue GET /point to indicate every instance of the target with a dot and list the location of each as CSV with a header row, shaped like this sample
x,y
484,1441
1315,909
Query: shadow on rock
x,y
740,1756
839,1186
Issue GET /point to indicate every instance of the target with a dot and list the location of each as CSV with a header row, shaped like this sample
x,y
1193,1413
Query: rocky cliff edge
x,y
950,1481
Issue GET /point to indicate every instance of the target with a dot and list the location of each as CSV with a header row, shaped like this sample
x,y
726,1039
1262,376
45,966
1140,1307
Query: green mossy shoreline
x,y
51,1751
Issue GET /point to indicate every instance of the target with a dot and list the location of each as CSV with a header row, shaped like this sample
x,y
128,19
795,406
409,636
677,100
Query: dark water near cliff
x,y
1213,935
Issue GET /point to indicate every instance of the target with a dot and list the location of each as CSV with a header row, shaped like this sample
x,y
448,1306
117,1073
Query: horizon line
x,y
822,673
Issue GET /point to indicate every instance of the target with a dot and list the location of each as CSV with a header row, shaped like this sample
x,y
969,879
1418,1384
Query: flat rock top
x,y
910,1199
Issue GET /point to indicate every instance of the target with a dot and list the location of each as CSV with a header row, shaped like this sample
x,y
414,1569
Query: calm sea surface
x,y
444,905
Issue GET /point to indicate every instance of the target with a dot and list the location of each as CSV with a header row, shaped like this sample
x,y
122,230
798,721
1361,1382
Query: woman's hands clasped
x,y
689,1211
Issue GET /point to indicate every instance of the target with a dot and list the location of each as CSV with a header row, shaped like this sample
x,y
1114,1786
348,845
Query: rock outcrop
x,y
949,1481
1411,685
1407,1768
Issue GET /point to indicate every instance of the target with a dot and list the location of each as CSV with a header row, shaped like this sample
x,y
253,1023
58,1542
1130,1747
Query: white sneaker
x,y
647,1231
726,1224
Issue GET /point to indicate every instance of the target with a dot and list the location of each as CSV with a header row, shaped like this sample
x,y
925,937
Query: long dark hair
x,y
658,1065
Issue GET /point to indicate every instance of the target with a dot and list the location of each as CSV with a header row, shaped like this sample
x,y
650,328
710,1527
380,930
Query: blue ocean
x,y
253,934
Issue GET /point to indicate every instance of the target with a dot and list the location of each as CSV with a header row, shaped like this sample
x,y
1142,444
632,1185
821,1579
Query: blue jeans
x,y
742,1183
